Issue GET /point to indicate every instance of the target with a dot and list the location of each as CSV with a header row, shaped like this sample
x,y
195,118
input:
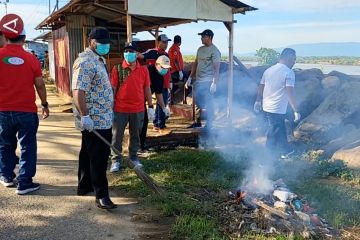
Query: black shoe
x,y
7,182
84,191
105,203
195,125
24,189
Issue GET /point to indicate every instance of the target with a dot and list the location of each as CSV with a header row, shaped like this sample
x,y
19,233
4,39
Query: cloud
x,y
302,5
309,24
32,15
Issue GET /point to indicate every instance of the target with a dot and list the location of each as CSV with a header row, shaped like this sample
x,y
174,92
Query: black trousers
x,y
276,134
93,158
144,130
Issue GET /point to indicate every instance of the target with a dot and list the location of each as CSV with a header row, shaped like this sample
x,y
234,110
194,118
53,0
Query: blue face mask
x,y
163,71
102,49
130,57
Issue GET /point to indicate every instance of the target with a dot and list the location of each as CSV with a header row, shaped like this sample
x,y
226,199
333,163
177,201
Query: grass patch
x,y
195,181
337,203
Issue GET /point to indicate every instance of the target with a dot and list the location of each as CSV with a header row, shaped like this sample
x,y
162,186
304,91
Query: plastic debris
x,y
297,205
280,205
284,196
303,216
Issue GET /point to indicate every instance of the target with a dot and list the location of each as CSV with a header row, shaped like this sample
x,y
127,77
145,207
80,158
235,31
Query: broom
x,y
144,177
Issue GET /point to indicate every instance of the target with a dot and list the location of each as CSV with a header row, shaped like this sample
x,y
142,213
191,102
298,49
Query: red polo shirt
x,y
130,96
175,54
18,70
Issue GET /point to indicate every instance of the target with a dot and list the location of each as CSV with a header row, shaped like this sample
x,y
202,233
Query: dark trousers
x,y
93,158
135,122
144,129
22,127
276,134
159,114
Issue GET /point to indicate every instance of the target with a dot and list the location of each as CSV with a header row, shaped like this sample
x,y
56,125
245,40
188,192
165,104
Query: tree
x,y
267,56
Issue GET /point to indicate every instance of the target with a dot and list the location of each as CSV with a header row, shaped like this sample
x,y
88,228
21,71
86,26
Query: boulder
x,y
350,156
303,75
347,140
309,95
342,76
258,71
331,82
329,120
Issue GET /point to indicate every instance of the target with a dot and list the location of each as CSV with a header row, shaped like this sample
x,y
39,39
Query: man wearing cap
x,y
93,101
157,73
205,70
150,57
20,72
177,62
131,85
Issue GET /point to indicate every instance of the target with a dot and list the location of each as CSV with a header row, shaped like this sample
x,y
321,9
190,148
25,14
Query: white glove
x,y
87,123
257,107
151,114
297,116
213,88
181,75
166,111
188,83
171,86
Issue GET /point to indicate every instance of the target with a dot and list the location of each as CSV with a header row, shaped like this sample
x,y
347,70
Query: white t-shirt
x,y
276,79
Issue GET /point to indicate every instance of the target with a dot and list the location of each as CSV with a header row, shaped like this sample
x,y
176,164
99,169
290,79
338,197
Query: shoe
x,y
287,155
7,182
137,162
84,191
105,203
115,167
164,131
195,125
24,189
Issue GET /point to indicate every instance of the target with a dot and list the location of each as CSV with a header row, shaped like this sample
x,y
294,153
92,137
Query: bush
x,y
267,56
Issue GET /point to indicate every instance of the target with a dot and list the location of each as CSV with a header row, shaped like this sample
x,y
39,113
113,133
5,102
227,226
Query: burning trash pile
x,y
279,211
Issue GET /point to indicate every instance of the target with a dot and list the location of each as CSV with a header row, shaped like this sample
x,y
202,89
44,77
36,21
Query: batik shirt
x,y
90,75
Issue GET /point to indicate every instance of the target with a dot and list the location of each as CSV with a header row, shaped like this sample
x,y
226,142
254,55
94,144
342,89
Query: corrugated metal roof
x,y
114,11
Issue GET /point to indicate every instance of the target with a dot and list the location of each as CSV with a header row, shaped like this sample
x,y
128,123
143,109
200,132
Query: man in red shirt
x,y
131,84
19,73
177,63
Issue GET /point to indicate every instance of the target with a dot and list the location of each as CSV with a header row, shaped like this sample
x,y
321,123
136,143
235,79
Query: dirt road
x,y
55,211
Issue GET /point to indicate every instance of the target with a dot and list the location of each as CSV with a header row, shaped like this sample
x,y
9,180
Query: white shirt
x,y
276,79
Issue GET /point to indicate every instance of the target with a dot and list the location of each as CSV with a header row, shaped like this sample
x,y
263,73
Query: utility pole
x,y
49,6
5,3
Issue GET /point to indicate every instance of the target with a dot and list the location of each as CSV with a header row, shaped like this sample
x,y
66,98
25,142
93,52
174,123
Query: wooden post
x,y
156,37
231,69
128,23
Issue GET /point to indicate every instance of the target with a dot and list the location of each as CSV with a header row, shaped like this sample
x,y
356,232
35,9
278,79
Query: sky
x,y
277,23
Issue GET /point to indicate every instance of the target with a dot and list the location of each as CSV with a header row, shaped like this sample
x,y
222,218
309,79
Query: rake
x,y
144,177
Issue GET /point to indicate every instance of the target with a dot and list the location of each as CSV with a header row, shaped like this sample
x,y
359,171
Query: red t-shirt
x,y
130,96
175,54
18,70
